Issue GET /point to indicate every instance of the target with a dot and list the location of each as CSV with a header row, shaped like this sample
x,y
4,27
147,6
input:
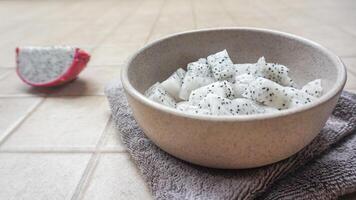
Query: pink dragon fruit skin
x,y
78,62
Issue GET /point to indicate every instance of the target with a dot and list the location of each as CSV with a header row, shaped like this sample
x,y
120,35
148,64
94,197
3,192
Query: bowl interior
x,y
306,60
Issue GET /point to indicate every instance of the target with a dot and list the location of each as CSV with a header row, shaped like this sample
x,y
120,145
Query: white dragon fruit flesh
x,y
240,84
158,94
272,94
187,107
221,65
274,72
48,66
220,88
313,88
216,86
223,106
200,67
198,75
174,83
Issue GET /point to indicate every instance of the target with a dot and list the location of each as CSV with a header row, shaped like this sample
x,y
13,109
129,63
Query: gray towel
x,y
325,169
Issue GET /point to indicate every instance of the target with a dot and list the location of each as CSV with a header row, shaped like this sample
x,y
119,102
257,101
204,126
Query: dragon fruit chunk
x,y
186,107
240,84
313,88
248,107
272,94
200,67
198,75
221,65
174,83
246,68
274,72
50,66
220,88
217,105
222,106
158,94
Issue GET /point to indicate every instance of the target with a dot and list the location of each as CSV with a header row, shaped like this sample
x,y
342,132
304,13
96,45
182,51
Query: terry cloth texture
x,y
325,169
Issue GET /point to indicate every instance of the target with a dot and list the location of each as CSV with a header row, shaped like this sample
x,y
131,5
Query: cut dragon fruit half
x,y
50,66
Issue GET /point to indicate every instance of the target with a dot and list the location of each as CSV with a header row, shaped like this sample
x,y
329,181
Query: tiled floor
x,y
61,143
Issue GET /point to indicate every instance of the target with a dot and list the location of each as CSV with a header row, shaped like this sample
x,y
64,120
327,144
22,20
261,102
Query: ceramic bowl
x,y
233,142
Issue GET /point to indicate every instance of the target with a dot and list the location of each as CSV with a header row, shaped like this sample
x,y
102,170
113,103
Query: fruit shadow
x,y
77,87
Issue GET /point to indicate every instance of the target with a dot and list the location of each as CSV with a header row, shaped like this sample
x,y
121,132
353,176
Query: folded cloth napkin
x,y
325,169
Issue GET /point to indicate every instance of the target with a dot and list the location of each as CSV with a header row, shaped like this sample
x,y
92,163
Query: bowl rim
x,y
336,88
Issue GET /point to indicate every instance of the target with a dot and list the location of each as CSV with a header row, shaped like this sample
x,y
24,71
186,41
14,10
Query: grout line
x,y
44,151
86,177
22,95
89,23
194,14
97,66
93,162
349,56
51,95
21,149
76,95
350,71
61,150
16,125
153,27
4,75
113,150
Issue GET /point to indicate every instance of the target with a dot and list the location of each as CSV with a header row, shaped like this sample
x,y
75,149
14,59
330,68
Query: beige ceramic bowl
x,y
233,141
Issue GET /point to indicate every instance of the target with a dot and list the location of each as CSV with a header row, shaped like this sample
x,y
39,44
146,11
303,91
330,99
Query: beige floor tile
x,y
211,14
351,76
138,27
12,110
336,40
350,64
77,10
7,56
116,178
95,28
247,13
113,138
171,20
351,81
11,85
342,14
117,11
4,72
40,176
113,54
91,81
70,122
19,13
